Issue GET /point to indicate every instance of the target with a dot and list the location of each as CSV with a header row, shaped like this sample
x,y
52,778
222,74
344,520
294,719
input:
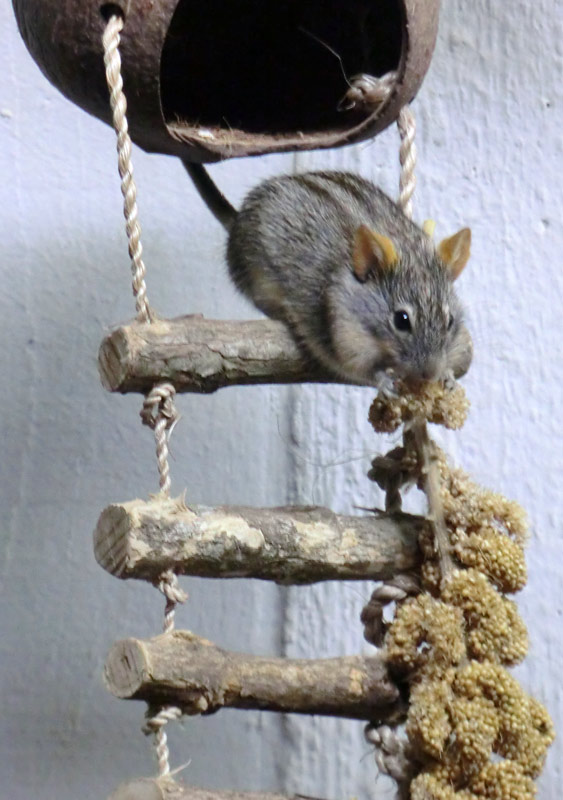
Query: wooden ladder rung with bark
x,y
294,545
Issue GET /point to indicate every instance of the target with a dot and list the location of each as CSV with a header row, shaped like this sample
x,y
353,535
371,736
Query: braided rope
x,y
392,753
417,427
159,412
370,93
112,61
407,158
155,724
156,720
170,588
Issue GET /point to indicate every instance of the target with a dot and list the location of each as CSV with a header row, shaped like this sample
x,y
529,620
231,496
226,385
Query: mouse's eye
x,y
450,322
402,321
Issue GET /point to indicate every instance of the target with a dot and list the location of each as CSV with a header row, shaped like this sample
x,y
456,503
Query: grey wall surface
x,y
490,117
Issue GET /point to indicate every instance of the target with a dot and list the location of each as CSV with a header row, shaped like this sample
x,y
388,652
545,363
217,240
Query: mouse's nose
x,y
432,369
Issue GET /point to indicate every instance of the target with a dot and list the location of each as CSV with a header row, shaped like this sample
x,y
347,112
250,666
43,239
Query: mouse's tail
x,y
209,192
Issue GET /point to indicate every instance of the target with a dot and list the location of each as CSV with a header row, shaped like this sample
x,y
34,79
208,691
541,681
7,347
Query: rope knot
x,y
368,92
159,413
392,755
174,594
396,590
170,588
159,402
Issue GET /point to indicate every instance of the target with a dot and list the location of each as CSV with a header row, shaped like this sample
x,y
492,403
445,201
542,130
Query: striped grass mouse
x,y
363,289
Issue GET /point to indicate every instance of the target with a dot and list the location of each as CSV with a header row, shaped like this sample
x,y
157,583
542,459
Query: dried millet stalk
x,y
472,730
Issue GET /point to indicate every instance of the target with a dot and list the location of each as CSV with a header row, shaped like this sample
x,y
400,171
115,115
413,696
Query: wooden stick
x,y
203,355
168,789
183,670
431,482
294,545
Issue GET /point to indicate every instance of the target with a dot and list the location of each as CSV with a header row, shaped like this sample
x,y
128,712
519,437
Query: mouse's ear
x,y
372,251
455,252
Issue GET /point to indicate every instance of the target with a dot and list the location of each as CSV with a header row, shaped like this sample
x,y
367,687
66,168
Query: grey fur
x,y
290,251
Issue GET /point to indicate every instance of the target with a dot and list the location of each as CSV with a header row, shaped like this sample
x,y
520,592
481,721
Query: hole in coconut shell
x,y
258,67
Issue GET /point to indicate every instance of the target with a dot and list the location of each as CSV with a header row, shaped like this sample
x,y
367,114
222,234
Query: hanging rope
x,y
366,92
112,61
391,751
170,588
159,412
155,723
157,719
407,158
418,428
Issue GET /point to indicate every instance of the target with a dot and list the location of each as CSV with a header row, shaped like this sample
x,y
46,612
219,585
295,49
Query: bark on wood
x,y
168,789
203,355
293,545
184,670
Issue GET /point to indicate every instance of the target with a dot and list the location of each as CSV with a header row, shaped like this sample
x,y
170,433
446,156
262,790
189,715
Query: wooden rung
x,y
184,670
169,789
293,545
202,355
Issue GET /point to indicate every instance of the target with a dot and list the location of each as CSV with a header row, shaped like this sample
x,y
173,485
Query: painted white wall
x,y
491,156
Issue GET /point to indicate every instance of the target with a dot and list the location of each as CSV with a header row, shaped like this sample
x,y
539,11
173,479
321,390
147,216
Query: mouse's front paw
x,y
449,381
386,386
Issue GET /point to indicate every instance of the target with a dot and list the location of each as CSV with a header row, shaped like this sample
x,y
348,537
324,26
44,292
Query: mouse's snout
x,y
431,370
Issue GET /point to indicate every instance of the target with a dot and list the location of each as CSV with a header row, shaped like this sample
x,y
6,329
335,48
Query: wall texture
x,y
490,115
